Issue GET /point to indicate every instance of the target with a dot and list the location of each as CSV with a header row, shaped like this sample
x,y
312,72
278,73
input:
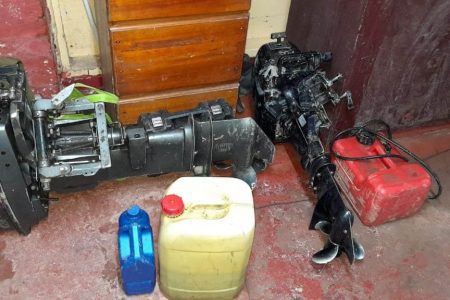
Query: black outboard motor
x,y
290,94
70,143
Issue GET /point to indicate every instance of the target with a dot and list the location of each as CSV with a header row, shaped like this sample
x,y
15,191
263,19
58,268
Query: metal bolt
x,y
198,170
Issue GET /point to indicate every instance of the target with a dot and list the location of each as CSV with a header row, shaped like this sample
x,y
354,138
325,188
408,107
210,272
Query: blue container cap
x,y
134,210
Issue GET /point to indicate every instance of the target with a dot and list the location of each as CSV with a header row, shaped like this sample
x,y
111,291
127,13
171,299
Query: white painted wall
x,y
77,49
266,17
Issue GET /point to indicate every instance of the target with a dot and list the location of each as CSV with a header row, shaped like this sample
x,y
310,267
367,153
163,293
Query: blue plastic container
x,y
136,254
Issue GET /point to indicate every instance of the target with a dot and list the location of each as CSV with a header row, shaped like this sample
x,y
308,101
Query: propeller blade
x,y
358,250
327,254
353,250
324,227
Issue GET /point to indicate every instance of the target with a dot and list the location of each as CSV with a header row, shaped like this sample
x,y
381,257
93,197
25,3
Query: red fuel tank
x,y
380,190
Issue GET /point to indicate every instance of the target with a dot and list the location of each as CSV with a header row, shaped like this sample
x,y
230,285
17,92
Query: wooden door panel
x,y
126,10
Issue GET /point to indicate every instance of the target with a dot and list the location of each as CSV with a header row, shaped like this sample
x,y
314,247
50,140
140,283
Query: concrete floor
x,y
73,253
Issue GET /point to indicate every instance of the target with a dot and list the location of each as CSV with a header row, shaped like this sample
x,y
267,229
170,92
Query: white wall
x,y
77,49
266,17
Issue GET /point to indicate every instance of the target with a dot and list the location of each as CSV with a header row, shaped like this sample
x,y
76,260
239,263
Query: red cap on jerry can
x,y
172,206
